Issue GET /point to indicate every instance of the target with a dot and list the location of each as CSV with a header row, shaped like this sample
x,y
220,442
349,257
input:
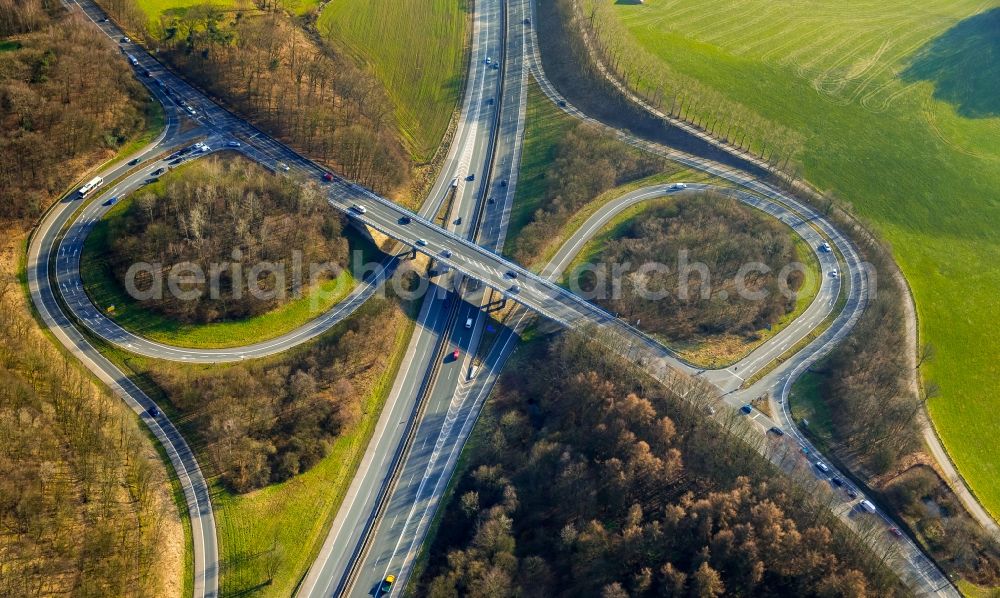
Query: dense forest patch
x,y
739,279
234,215
67,100
583,479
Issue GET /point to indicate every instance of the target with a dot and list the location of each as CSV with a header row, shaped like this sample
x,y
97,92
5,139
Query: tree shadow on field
x,y
963,64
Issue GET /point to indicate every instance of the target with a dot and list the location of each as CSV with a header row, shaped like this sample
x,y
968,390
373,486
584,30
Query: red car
x,y
895,532
327,177
454,355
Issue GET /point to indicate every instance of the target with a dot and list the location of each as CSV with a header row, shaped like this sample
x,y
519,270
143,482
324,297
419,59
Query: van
x,y
867,506
468,322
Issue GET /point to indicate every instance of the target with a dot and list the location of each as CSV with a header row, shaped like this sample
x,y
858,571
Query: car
x,y
824,247
153,411
146,73
360,209
496,66
157,172
852,493
386,585
191,110
677,187
125,40
422,242
748,409
455,354
776,431
175,162
503,183
446,253
491,200
837,482
488,60
133,161
510,274
105,20
233,143
515,289
561,103
834,274
471,177
490,101
110,201
283,166
405,220
327,177
468,322
895,532
527,21
822,467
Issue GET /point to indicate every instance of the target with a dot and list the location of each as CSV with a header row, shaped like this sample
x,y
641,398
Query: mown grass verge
x,y
416,49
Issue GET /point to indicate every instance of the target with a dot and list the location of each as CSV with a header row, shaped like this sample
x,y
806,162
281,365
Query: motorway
x,y
482,141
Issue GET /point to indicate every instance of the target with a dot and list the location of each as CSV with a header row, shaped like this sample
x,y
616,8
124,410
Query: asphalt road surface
x,y
448,245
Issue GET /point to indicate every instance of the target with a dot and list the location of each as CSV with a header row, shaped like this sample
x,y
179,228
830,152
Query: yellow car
x,y
386,584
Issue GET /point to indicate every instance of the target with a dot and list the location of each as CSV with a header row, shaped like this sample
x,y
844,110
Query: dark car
x,y
133,161
748,409
895,532
405,220
157,172
327,177
851,492
385,585
471,177
491,201
562,103
503,183
776,431
837,482
527,21
510,274
490,101
147,73
110,201
153,411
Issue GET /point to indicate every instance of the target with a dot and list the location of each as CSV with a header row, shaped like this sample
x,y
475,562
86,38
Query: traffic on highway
x,y
447,374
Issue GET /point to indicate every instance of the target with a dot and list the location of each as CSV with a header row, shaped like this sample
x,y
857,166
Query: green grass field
x,y
105,291
545,125
899,105
416,49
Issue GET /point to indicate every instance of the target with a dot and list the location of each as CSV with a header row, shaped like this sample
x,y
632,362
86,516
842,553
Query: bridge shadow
x,y
963,65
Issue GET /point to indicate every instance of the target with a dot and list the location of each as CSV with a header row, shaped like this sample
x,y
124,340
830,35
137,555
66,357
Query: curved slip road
x,y
535,292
